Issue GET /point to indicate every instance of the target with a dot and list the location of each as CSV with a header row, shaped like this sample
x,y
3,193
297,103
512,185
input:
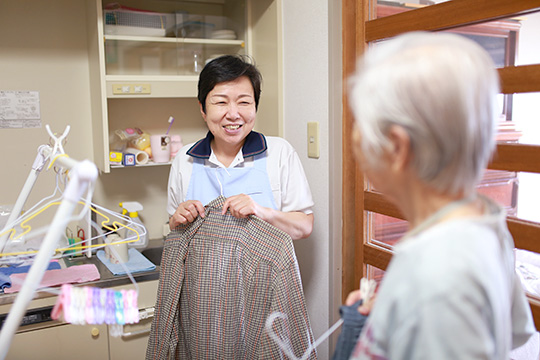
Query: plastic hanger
x,y
367,290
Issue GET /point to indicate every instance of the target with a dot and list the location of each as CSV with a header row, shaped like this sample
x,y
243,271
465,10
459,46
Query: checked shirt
x,y
221,277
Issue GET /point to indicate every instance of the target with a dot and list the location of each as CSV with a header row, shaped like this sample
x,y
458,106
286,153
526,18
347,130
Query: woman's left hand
x,y
295,223
241,206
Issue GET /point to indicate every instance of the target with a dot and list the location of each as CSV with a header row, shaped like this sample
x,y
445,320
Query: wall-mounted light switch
x,y
313,139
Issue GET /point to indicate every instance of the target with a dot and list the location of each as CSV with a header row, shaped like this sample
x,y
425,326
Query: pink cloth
x,y
70,275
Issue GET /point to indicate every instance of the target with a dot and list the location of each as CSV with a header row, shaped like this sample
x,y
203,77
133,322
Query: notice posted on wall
x,y
19,109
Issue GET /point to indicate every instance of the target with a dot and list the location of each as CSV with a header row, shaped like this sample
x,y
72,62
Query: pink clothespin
x,y
63,304
88,305
131,309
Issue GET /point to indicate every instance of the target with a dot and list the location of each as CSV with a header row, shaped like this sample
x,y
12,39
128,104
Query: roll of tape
x,y
141,157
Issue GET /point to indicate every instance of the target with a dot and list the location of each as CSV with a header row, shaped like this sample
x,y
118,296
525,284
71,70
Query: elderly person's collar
x,y
255,144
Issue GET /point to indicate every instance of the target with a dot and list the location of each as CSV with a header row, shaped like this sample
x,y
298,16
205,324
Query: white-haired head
x,y
441,88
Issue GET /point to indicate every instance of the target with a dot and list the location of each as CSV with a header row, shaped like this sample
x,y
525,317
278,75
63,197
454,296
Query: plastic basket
x,y
129,22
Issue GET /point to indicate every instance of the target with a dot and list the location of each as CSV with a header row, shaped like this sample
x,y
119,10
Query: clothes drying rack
x,y
83,175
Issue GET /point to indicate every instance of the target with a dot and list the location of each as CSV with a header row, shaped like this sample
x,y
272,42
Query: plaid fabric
x,y
221,277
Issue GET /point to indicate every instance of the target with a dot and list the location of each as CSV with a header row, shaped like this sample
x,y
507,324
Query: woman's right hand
x,y
186,213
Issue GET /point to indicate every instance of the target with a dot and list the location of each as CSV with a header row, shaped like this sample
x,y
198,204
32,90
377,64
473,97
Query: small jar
x,y
142,140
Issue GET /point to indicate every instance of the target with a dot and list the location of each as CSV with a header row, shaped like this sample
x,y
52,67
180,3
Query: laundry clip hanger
x,y
367,290
91,305
57,148
43,155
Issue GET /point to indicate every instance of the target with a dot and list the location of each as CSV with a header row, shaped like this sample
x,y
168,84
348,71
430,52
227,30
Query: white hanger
x,y
367,290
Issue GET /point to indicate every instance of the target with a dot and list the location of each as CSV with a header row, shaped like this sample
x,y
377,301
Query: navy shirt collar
x,y
255,144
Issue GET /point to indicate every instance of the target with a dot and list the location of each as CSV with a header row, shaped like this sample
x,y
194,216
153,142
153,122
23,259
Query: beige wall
x,y
47,52
312,92
43,51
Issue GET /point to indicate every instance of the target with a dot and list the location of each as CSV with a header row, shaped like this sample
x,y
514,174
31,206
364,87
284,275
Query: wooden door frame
x,y
353,180
357,31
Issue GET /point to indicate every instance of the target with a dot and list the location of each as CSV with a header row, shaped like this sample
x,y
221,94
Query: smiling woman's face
x,y
230,112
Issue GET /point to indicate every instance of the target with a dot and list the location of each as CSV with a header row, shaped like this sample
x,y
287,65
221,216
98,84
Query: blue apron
x,y
207,183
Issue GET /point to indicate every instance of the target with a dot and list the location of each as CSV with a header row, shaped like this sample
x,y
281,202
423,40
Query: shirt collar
x,y
255,144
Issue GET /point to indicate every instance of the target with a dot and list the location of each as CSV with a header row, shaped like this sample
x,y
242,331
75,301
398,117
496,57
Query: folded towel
x,y
5,272
136,263
70,275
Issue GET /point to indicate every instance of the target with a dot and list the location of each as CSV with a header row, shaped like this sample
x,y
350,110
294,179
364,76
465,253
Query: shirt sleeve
x,y
179,177
174,189
522,322
464,335
295,193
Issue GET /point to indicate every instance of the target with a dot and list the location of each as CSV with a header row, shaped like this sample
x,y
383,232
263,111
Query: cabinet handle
x,y
135,333
146,313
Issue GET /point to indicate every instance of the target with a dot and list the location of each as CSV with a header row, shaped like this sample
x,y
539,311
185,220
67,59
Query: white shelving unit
x,y
139,81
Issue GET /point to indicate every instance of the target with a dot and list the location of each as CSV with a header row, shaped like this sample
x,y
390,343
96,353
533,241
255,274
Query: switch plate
x,y
121,89
141,89
134,89
313,139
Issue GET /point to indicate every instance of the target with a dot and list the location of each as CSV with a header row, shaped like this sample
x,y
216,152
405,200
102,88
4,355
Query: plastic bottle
x,y
141,140
198,62
119,139
131,209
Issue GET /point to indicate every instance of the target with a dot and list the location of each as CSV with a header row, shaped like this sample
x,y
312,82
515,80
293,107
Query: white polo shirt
x,y
287,178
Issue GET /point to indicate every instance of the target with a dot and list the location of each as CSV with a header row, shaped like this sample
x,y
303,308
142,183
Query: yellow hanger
x,y
116,225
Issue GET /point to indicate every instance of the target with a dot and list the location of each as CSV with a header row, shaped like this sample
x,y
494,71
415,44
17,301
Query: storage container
x,y
136,23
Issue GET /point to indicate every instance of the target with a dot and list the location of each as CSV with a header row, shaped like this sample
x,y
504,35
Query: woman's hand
x,y
295,223
366,306
241,206
186,213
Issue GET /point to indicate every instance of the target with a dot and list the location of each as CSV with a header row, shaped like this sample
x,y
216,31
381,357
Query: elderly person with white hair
x,y
426,118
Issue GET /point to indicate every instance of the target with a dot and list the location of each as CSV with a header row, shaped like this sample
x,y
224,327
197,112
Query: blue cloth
x,y
136,263
207,183
5,272
353,322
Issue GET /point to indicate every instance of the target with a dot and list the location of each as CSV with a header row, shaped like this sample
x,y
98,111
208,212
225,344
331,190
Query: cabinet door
x,y
61,342
132,345
134,342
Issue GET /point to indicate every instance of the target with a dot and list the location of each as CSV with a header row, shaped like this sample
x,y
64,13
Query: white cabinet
x,y
142,74
61,342
57,340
